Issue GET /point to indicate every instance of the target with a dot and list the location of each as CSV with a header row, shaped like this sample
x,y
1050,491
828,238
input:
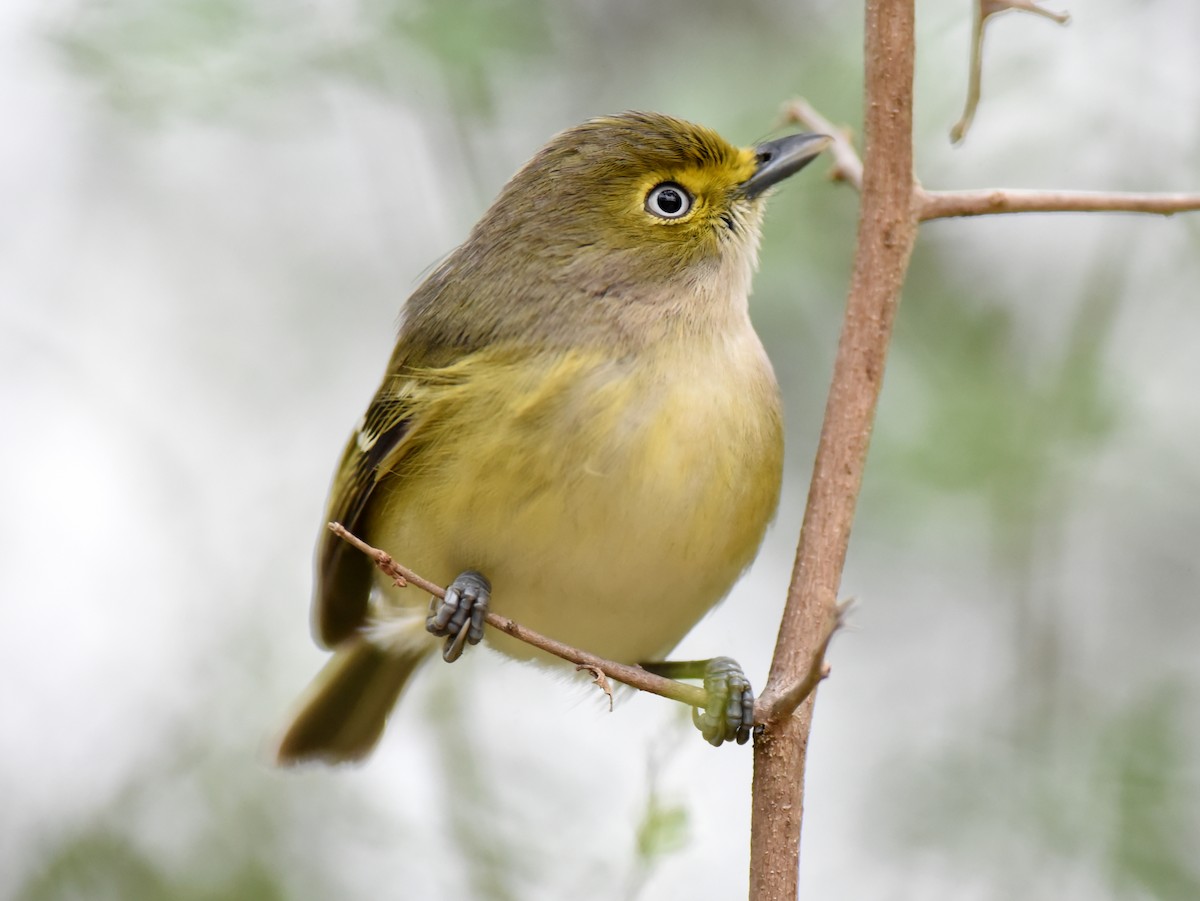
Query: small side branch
x,y
847,166
633,676
779,702
989,201
984,10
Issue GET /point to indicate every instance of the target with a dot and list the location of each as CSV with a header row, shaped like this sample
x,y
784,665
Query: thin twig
x,y
847,166
633,676
767,709
992,7
988,201
777,703
599,679
984,10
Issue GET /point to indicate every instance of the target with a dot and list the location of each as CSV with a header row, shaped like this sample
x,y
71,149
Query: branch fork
x,y
928,205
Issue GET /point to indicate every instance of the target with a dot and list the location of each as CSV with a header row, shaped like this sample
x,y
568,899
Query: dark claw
x,y
460,615
729,713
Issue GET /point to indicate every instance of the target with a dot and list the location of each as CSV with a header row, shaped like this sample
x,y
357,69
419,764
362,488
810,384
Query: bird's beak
x,y
782,157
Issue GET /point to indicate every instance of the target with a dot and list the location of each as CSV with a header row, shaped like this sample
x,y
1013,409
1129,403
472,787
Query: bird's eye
x,y
668,201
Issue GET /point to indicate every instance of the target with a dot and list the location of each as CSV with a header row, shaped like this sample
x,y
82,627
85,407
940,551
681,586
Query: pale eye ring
x,y
668,201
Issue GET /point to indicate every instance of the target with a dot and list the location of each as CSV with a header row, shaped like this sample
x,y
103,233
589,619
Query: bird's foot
x,y
728,713
459,615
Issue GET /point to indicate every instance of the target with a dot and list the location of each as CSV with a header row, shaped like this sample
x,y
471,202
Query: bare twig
x,y
988,201
984,10
778,702
766,710
992,7
886,234
599,679
633,676
847,166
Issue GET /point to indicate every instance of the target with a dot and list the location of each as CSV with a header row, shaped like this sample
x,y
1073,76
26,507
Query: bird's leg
x,y
728,714
459,615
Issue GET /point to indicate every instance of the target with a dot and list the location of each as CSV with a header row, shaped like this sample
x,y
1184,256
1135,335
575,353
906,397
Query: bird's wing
x,y
380,443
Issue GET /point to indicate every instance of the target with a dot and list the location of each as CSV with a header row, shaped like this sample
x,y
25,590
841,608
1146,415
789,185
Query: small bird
x,y
578,428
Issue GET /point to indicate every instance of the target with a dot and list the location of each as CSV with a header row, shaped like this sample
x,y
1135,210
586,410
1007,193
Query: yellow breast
x,y
610,503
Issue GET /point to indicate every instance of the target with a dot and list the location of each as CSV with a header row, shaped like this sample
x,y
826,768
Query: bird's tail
x,y
342,712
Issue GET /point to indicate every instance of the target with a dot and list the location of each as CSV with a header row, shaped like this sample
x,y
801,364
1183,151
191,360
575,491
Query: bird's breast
x,y
612,502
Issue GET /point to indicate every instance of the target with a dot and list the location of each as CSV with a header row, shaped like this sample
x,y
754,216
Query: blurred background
x,y
211,213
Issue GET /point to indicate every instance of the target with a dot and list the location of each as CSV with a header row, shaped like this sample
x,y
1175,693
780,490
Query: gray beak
x,y
781,158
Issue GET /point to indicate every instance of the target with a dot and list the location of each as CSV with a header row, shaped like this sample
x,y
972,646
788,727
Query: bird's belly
x,y
623,573
614,528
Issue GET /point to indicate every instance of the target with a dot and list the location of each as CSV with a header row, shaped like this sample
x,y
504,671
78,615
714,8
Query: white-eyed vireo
x,y
578,425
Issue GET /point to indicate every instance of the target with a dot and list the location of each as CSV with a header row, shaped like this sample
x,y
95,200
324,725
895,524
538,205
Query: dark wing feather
x,y
344,574
434,336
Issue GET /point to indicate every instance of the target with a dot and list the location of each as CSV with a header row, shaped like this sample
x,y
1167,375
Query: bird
x,y
578,428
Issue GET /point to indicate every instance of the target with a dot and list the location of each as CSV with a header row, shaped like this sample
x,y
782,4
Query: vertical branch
x,y
886,233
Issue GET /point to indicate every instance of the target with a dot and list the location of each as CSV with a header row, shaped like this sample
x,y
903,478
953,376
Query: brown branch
x,y
783,703
893,205
633,676
991,7
886,234
988,201
984,10
601,669
847,166
599,679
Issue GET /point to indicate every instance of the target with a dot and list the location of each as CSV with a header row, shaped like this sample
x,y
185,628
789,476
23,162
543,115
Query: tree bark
x,y
886,233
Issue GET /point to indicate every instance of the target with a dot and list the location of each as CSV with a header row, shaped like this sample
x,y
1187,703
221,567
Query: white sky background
x,y
192,317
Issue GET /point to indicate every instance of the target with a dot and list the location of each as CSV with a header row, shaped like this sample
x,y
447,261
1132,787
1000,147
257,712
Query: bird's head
x,y
656,194
616,224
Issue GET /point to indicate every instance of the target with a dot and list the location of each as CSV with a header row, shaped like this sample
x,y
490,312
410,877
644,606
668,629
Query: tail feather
x,y
343,711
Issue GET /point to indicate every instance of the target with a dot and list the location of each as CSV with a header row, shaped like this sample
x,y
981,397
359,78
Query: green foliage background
x,y
215,208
